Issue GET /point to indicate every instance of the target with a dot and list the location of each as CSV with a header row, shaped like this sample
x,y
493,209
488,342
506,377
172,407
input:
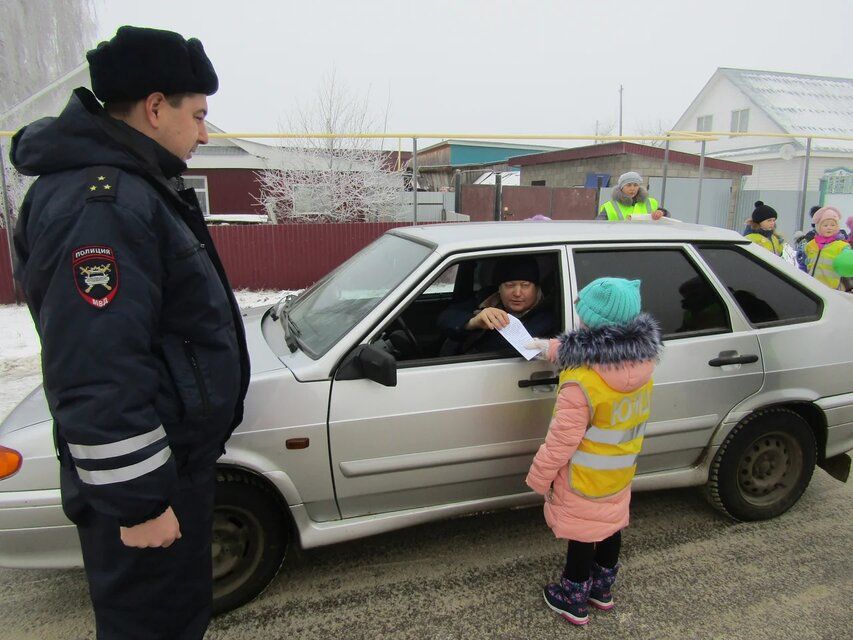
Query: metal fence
x,y
668,187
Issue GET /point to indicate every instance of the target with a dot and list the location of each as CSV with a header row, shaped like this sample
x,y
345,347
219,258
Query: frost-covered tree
x,y
40,41
332,179
16,188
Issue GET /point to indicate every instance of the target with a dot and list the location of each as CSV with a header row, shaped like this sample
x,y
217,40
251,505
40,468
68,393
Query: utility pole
x,y
596,132
620,110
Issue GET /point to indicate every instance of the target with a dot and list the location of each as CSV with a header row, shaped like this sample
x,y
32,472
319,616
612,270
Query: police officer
x,y
143,349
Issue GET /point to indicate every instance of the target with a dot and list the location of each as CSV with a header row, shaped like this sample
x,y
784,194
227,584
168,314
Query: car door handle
x,y
732,357
538,381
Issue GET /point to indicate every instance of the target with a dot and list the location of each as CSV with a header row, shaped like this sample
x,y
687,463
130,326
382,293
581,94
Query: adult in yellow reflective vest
x,y
822,250
630,199
762,229
589,457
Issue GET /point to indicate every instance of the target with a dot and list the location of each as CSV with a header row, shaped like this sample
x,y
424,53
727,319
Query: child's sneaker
x,y
602,581
568,599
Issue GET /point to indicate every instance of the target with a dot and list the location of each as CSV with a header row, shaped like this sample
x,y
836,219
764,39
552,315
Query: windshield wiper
x,y
282,304
291,331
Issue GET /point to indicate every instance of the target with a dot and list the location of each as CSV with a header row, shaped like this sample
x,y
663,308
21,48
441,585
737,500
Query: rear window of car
x,y
673,289
765,296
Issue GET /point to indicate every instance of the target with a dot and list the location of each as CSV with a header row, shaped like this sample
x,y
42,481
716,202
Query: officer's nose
x,y
202,133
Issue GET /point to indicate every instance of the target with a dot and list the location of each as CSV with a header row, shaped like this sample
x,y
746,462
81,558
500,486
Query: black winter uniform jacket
x,y
143,348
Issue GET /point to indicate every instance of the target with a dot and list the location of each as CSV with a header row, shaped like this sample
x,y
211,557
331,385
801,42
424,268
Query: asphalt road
x,y
688,574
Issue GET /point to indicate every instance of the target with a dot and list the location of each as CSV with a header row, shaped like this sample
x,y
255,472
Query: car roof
x,y
468,235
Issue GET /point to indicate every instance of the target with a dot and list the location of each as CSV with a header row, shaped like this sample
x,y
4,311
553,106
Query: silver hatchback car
x,y
362,417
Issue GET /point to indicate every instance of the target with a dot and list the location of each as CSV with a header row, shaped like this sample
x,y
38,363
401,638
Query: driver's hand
x,y
489,318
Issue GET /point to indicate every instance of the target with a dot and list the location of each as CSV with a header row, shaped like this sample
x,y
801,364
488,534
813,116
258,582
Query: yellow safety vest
x,y
819,261
617,211
606,459
774,244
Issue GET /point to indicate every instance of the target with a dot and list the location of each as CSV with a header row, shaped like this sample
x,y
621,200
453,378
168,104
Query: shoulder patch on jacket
x,y
95,274
101,183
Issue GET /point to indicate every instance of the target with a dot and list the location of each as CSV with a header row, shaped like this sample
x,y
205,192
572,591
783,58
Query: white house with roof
x,y
748,100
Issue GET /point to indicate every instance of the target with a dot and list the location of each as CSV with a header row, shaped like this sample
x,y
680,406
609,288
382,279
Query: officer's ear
x,y
153,107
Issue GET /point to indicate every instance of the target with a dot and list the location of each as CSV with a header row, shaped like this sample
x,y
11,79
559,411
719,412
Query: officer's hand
x,y
162,531
489,318
657,214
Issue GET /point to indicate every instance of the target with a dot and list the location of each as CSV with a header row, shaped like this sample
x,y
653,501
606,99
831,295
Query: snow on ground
x,y
247,298
20,363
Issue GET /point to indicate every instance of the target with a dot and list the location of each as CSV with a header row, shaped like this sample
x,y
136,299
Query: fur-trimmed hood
x,y
611,345
621,198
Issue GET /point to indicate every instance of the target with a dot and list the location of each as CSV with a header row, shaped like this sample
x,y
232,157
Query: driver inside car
x,y
471,326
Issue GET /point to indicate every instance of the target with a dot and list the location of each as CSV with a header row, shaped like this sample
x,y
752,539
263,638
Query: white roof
x,y
484,235
800,103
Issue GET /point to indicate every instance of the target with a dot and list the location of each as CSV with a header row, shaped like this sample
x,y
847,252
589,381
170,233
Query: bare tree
x,y
653,127
327,179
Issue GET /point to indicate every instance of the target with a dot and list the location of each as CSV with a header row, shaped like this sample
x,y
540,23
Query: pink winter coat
x,y
569,514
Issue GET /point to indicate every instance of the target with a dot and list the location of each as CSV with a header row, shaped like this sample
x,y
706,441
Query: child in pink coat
x,y
585,466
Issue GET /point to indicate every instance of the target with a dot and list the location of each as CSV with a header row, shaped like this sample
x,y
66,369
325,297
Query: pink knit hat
x,y
826,212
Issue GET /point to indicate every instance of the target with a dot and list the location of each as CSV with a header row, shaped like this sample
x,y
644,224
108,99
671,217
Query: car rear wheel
x,y
763,466
250,538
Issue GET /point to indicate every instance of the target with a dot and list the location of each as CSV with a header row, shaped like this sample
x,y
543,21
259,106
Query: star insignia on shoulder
x,y
101,178
93,188
107,187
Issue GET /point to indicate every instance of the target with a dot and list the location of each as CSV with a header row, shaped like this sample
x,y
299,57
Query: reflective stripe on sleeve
x,y
594,461
123,474
116,449
614,436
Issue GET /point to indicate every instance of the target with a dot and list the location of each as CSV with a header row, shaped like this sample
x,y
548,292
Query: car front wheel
x,y
250,538
763,466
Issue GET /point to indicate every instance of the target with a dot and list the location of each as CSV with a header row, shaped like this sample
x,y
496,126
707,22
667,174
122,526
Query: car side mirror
x,y
372,362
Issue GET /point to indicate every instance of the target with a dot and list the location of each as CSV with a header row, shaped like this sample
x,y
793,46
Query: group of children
x,y
585,466
824,252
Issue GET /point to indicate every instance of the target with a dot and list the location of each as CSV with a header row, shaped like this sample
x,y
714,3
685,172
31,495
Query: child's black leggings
x,y
580,555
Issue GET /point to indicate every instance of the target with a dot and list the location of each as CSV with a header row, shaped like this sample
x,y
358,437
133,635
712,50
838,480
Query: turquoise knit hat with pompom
x,y
608,301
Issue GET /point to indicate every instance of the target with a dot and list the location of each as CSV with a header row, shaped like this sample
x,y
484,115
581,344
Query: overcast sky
x,y
478,66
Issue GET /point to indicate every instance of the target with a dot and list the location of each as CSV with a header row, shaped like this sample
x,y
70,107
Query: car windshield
x,y
328,310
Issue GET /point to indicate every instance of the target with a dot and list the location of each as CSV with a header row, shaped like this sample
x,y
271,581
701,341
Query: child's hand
x,y
541,345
